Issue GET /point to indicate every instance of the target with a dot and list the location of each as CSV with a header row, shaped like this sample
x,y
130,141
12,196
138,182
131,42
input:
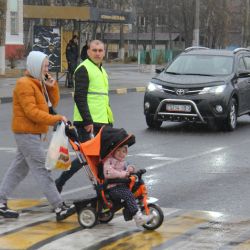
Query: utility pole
x,y
196,33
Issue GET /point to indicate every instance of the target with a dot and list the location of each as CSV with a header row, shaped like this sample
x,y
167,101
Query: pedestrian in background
x,y
84,50
33,95
72,53
92,109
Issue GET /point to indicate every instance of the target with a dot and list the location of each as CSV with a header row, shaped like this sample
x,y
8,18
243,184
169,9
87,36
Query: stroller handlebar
x,y
140,172
71,132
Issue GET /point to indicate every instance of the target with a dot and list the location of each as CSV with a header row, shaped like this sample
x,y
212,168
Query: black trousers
x,y
71,68
122,192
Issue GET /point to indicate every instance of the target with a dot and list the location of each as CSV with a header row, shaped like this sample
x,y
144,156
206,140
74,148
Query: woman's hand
x,y
64,118
49,80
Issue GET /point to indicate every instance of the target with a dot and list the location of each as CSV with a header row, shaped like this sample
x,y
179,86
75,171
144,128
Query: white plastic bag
x,y
58,153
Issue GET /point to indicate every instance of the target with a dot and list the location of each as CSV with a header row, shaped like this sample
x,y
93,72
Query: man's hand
x,y
89,128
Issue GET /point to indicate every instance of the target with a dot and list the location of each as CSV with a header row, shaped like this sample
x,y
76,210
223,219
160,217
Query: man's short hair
x,y
95,42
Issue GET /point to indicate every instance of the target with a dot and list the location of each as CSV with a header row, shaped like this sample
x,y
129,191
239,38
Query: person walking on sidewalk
x,y
32,96
84,51
92,109
72,53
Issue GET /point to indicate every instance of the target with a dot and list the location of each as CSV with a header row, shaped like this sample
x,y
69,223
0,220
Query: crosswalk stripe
x,y
33,234
146,240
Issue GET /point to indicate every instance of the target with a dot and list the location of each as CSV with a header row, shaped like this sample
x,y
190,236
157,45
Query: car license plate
x,y
178,107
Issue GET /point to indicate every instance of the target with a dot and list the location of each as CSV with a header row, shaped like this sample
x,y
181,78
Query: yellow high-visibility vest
x,y
97,96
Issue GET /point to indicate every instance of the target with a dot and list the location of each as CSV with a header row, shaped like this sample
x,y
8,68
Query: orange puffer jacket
x,y
30,109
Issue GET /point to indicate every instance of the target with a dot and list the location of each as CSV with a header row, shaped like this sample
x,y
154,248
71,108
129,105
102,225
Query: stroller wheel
x,y
106,217
158,218
87,217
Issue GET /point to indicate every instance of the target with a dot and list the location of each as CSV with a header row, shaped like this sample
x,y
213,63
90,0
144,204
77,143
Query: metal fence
x,y
157,56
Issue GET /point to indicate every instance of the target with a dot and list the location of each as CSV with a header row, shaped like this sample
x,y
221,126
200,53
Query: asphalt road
x,y
189,166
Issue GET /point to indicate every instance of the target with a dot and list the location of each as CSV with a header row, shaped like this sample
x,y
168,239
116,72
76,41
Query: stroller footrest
x,y
79,204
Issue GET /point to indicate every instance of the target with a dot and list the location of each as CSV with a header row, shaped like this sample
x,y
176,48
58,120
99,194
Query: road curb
x,y
118,91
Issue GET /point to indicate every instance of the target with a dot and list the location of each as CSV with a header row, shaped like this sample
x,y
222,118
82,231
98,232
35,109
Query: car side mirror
x,y
159,70
243,73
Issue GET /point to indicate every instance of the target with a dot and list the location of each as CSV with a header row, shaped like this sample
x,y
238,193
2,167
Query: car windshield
x,y
210,65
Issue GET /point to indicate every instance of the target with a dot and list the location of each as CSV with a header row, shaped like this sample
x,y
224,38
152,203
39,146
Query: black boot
x,y
66,175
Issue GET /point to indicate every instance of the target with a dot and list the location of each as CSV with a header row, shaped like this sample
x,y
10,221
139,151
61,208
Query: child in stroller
x,y
94,156
116,167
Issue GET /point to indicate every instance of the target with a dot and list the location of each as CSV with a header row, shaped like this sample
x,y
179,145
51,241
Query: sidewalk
x,y
123,78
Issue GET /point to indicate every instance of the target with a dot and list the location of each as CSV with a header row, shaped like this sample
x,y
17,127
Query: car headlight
x,y
213,90
154,87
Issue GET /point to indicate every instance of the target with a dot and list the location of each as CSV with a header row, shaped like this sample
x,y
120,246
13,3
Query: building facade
x,y
14,44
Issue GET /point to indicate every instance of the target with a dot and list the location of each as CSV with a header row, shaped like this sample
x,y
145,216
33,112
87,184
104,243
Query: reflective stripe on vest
x,y
96,93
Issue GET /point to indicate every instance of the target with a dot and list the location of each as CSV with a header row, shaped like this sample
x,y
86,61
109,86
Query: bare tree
x,y
245,23
186,13
2,22
215,20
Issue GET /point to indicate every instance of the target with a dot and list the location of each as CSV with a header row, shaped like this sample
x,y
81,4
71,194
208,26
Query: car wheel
x,y
152,123
231,120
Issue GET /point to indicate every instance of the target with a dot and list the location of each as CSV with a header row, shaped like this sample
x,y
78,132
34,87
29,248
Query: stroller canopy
x,y
113,138
103,145
106,142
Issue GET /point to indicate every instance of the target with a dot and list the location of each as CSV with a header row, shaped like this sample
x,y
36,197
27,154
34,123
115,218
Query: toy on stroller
x,y
102,208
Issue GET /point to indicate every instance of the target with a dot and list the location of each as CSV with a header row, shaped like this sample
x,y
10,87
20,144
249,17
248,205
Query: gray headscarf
x,y
34,63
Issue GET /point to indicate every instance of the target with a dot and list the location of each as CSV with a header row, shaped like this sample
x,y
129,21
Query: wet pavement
x,y
36,228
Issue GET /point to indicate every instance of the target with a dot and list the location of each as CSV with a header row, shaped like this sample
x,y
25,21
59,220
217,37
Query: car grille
x,y
181,91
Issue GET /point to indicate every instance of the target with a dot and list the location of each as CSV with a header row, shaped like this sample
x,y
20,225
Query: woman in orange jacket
x,y
34,95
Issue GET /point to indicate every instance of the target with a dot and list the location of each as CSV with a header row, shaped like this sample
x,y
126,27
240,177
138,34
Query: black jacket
x,y
72,51
84,52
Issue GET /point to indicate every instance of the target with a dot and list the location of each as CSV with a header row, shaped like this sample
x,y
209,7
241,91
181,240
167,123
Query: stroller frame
x,y
102,208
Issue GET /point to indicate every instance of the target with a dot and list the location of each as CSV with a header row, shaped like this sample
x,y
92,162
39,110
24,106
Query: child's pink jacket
x,y
113,168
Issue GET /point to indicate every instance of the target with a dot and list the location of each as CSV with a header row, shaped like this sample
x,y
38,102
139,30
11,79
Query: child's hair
x,y
124,146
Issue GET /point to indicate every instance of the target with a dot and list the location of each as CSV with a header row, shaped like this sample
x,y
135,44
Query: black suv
x,y
201,85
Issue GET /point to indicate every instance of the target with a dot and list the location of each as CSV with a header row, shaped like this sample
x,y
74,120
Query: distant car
x,y
201,85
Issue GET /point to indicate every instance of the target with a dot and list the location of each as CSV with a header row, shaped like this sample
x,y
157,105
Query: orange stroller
x,y
92,154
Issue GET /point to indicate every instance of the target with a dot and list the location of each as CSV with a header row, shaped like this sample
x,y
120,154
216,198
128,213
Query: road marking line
x,y
149,155
96,236
44,231
146,240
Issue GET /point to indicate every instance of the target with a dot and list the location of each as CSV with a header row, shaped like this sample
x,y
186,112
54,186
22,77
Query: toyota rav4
x,y
201,85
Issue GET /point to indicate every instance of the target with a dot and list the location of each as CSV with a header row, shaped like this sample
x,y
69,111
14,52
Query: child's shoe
x,y
141,219
7,212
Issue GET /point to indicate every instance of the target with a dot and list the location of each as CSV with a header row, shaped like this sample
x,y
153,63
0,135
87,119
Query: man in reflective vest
x,y
92,109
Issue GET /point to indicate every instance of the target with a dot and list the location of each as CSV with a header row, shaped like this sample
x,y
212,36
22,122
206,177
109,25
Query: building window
x,y
161,20
14,23
141,21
